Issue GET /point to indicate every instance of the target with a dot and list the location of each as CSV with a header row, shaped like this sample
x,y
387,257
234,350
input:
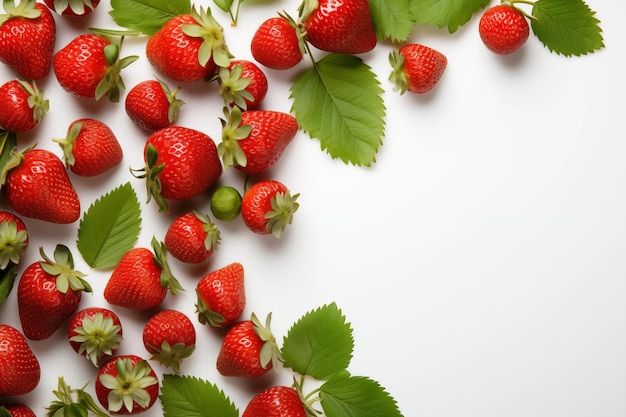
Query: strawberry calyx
x,y
98,336
36,100
13,243
206,315
171,356
284,205
299,27
168,280
67,144
62,267
78,7
25,9
73,402
128,387
398,76
212,34
232,86
270,352
213,237
175,103
233,131
151,174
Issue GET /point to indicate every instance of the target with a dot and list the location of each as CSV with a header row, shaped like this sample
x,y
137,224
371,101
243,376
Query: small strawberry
x,y
151,105
248,350
22,106
17,410
48,293
416,68
28,34
277,401
95,333
36,184
242,84
90,148
141,279
127,385
169,336
221,296
192,237
225,203
72,7
267,207
503,29
13,239
277,44
19,366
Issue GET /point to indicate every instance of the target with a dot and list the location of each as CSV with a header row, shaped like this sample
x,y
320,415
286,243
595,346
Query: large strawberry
x,y
36,184
221,296
503,29
48,293
28,34
151,105
94,333
72,7
22,106
13,239
19,367
169,336
192,237
416,68
277,43
276,401
267,207
242,84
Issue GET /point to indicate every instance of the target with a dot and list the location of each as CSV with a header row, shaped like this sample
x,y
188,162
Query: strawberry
x,y
36,184
28,34
180,163
48,293
90,148
151,105
221,296
277,401
13,239
72,7
225,203
19,366
277,44
253,141
416,68
169,336
192,237
267,207
22,106
141,279
339,26
126,385
242,84
18,410
503,29
95,333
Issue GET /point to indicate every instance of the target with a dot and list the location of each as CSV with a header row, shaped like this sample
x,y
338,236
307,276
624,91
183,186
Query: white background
x,y
480,260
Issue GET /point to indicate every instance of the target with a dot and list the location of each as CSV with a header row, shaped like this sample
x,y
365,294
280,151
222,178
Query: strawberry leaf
x,y
339,101
110,227
567,27
392,19
7,279
8,141
192,397
451,14
319,344
147,16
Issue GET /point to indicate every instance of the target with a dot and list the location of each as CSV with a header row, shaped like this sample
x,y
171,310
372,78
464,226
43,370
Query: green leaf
x,y
7,279
192,397
354,396
319,344
147,16
8,141
110,227
339,101
567,27
392,19
451,14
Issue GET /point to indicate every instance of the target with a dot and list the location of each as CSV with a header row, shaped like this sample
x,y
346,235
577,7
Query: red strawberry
x,y
248,350
19,366
254,141
180,163
90,148
242,84
169,336
277,401
36,184
127,385
277,43
48,293
95,333
503,29
72,7
221,296
22,106
18,410
268,207
416,68
141,279
192,237
339,26
13,239
152,106
28,34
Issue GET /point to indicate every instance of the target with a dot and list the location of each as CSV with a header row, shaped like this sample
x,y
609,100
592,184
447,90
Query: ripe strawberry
x,y
253,141
169,336
180,163
503,29
72,7
22,106
277,43
48,293
90,148
416,68
13,239
242,84
268,207
192,237
19,366
95,333
248,350
277,401
28,34
127,385
221,296
18,410
152,106
141,279
36,184
339,26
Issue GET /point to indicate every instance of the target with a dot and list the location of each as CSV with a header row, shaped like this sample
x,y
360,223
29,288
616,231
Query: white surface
x,y
480,260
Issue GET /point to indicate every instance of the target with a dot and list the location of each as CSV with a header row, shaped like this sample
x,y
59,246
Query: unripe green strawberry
x,y
503,29
225,203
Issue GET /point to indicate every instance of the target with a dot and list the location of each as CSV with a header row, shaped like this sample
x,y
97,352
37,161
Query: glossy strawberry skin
x,y
186,238
221,296
68,11
148,106
423,67
20,410
276,401
258,81
170,337
28,45
240,353
19,366
16,115
275,44
257,203
503,29
76,322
